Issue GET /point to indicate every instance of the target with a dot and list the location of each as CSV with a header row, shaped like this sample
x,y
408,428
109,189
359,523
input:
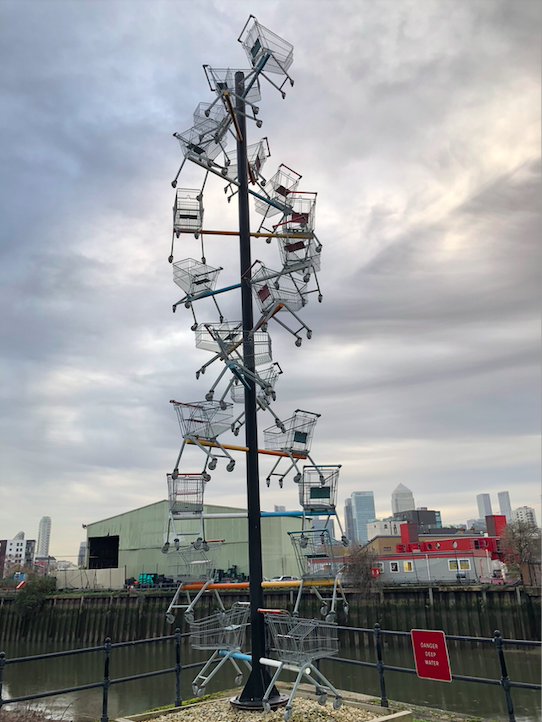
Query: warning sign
x,y
431,654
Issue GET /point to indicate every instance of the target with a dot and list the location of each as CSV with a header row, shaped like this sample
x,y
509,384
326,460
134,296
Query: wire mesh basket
x,y
231,335
299,641
280,187
296,436
185,494
300,254
223,630
194,277
203,419
259,41
194,563
269,378
257,154
315,553
223,79
271,288
194,145
187,211
302,216
318,488
212,119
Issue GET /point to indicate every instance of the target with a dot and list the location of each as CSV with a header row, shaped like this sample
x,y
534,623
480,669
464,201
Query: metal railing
x,y
504,682
499,643
106,681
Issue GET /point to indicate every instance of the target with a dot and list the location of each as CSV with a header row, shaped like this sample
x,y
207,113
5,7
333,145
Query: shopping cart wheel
x,y
309,334
230,466
322,699
287,714
170,619
297,478
223,405
195,690
307,277
266,706
323,610
174,184
212,464
206,477
295,614
298,342
337,702
330,617
189,617
345,607
194,327
209,396
238,679
320,297
201,692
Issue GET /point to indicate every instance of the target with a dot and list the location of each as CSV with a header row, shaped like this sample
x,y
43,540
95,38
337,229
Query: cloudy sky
x,y
418,124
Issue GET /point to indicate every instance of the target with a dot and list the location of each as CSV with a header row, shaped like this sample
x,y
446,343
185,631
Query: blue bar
x,y
327,512
235,655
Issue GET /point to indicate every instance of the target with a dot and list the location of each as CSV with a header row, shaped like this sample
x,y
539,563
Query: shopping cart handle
x,y
274,611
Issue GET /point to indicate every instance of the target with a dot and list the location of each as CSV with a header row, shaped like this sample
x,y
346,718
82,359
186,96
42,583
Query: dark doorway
x,y
103,552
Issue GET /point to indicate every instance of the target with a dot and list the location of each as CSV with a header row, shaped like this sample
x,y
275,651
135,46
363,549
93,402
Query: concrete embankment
x,y
88,618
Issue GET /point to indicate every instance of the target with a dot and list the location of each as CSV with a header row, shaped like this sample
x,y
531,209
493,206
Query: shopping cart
x,y
279,188
320,558
198,280
267,52
276,292
292,436
204,421
257,154
265,393
185,497
187,211
224,633
228,336
318,492
192,564
298,643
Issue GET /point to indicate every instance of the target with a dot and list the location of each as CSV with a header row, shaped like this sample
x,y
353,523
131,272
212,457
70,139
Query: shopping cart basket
x,y
320,558
293,436
223,632
267,52
298,643
192,564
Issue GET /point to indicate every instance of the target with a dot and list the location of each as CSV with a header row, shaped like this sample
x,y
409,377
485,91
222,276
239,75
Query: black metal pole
x,y
259,679
380,666
2,665
505,680
178,698
106,681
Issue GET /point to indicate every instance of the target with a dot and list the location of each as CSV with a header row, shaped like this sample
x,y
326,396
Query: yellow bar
x,y
230,447
244,585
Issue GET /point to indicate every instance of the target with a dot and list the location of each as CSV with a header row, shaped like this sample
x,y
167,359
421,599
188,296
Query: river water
x,y
133,697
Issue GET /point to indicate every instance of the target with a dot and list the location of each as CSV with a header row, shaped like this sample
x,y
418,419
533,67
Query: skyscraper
x,y
484,505
349,520
363,511
504,504
44,537
402,499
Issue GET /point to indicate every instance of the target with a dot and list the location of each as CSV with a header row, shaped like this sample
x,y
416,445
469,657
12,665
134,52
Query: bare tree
x,y
521,540
359,573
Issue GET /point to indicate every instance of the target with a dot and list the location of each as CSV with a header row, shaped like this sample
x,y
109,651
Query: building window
x,y
455,565
437,545
394,566
407,567
454,544
429,546
387,549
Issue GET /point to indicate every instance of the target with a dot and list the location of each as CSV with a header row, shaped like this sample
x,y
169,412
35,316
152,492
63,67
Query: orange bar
x,y
229,447
244,585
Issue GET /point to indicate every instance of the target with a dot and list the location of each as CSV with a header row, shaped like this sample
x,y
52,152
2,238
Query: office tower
x,y
504,505
402,499
363,511
349,521
484,505
44,537
324,523
524,513
81,555
279,507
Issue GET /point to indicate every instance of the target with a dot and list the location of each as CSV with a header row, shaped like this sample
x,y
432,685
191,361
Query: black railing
x,y
499,643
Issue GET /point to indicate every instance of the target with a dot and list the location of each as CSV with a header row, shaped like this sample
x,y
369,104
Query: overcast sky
x,y
418,124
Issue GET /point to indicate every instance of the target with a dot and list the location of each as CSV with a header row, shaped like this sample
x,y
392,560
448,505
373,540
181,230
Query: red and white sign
x,y
375,572
431,654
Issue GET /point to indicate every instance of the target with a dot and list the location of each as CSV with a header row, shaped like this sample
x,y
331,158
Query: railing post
x,y
106,682
178,700
505,680
380,666
2,665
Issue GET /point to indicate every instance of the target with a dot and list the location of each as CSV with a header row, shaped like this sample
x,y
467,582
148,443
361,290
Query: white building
x,y
524,513
504,505
44,537
402,499
383,527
